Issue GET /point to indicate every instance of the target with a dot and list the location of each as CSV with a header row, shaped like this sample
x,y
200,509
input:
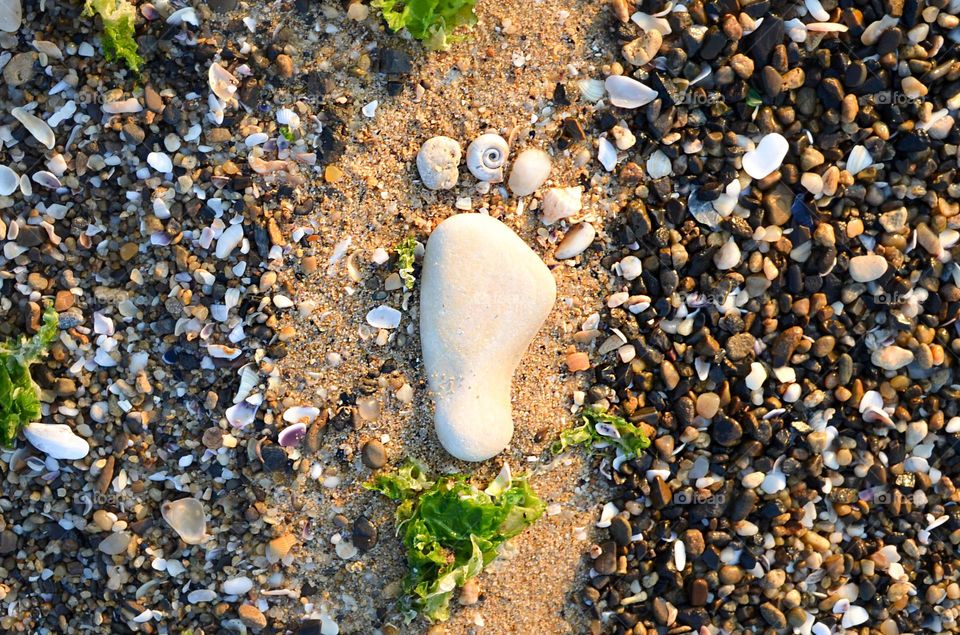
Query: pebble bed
x,y
758,202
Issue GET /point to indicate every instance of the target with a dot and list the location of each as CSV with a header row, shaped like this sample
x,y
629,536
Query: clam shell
x,y
576,241
221,82
626,92
9,181
301,414
46,179
292,435
36,127
160,161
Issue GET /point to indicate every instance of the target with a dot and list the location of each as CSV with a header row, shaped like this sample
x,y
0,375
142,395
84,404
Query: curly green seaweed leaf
x,y
629,437
431,21
451,530
405,259
119,18
19,394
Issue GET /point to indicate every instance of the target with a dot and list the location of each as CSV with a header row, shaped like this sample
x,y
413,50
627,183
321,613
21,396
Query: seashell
x,y
11,15
249,378
187,14
36,127
48,48
486,157
187,518
658,165
301,414
160,161
287,117
199,596
46,179
243,413
767,157
626,92
607,154
383,317
9,181
149,12
26,188
221,82
530,170
237,586
858,160
561,202
438,163
56,440
576,241
591,89
827,27
291,436
123,106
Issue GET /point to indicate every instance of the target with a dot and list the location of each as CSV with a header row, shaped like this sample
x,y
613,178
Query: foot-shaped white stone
x,y
484,295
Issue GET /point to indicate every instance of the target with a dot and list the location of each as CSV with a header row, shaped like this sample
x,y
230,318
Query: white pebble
x,y
384,317
228,241
728,256
626,92
767,157
530,170
867,268
576,241
160,162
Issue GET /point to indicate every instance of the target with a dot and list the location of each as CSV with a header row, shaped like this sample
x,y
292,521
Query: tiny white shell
x,y
438,161
576,241
8,181
487,156
529,172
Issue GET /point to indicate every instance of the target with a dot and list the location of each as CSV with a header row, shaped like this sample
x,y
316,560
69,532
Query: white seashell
x,y
606,515
301,414
56,440
438,163
607,154
576,241
46,179
627,92
160,161
243,413
11,15
649,22
64,112
816,10
530,170
858,160
827,27
658,165
199,596
728,256
186,517
221,82
36,127
591,89
383,317
187,14
287,117
561,202
123,106
9,181
854,616
767,157
237,586
486,157
228,241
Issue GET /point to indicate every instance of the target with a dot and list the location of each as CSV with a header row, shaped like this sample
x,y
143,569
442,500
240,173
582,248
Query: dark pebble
x,y
364,534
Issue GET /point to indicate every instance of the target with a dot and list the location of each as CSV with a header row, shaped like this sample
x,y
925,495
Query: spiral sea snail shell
x,y
486,157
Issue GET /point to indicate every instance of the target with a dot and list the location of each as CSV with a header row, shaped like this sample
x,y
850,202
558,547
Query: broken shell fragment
x,y
36,127
627,92
767,157
187,518
487,156
561,202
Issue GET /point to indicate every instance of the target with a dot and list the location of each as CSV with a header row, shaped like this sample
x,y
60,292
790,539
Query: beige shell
x,y
487,156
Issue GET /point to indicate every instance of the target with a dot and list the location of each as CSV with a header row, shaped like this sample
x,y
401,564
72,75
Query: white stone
x,y
237,586
867,268
115,543
607,154
11,15
438,162
228,241
631,267
160,162
484,296
767,157
758,375
561,202
576,241
530,170
626,92
658,165
727,256
56,440
858,160
892,357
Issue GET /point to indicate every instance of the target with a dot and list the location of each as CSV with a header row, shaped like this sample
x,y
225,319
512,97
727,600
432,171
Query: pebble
x,y
560,203
626,92
767,157
531,169
56,440
252,617
374,454
892,357
364,535
868,268
438,163
575,241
